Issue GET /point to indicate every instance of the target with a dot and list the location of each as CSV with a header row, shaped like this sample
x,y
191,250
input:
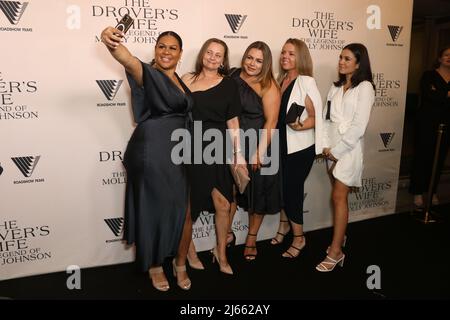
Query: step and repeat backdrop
x,y
65,113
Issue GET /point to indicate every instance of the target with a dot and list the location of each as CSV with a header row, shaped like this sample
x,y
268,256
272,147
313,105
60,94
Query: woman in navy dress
x,y
156,190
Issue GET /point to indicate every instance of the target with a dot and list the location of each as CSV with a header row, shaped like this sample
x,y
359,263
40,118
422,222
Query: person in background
x,y
347,114
434,110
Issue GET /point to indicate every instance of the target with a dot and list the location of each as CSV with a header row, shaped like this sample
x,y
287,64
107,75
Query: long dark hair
x,y
265,78
168,33
364,72
199,62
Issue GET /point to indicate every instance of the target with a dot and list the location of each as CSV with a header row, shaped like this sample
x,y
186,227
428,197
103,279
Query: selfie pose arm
x,y
112,39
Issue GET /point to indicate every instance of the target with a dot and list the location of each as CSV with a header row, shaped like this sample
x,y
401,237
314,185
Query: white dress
x,y
344,130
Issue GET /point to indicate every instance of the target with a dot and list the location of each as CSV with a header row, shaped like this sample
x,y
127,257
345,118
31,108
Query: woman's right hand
x,y
111,37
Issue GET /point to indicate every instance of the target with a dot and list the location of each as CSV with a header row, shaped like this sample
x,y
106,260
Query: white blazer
x,y
344,132
299,140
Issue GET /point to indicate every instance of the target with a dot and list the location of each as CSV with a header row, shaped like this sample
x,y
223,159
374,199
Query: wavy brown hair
x,y
266,77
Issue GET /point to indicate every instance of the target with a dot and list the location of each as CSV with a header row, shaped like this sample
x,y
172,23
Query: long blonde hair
x,y
303,61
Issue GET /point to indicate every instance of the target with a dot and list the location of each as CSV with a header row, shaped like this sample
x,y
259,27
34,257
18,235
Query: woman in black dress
x,y
434,110
260,99
216,107
156,191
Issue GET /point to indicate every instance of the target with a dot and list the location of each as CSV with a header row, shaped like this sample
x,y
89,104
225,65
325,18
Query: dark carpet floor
x,y
413,260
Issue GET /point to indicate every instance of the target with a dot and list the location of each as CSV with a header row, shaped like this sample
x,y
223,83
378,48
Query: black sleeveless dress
x,y
213,107
262,194
156,190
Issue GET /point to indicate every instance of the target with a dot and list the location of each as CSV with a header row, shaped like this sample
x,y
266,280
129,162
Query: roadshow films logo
x,y
235,22
13,12
394,32
26,166
110,89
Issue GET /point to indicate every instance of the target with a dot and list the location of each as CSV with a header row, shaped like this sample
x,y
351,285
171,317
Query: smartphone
x,y
125,23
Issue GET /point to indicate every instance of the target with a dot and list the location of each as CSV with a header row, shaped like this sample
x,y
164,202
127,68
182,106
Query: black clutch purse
x,y
294,113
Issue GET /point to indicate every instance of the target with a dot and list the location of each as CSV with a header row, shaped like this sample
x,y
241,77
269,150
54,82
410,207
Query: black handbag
x,y
294,113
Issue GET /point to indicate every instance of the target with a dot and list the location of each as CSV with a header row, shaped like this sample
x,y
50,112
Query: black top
x,y
282,118
217,104
434,100
252,108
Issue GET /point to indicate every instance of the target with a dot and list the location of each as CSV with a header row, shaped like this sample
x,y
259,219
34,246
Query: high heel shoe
x,y
275,240
289,255
160,285
215,257
231,242
195,263
343,243
249,256
329,263
183,284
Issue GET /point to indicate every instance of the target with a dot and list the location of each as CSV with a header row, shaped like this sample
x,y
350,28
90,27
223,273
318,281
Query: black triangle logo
x,y
235,21
395,32
13,10
387,138
115,224
26,165
109,87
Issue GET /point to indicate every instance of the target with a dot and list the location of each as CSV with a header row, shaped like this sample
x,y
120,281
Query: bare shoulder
x,y
273,90
188,78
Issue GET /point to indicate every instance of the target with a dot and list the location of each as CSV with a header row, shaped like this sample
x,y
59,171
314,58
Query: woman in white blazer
x,y
299,140
346,115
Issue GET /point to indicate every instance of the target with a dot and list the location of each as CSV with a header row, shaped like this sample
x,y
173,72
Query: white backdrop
x,y
62,138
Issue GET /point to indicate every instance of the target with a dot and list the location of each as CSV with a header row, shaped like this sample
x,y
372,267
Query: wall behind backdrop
x,y
65,113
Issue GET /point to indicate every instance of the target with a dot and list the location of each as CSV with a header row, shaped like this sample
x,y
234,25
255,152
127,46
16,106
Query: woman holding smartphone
x,y
156,216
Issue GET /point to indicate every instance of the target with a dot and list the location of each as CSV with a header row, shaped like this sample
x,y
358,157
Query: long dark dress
x,y
262,195
213,107
434,110
156,191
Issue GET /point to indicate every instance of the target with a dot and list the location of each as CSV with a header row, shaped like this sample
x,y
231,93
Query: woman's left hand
x,y
297,125
255,162
327,153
